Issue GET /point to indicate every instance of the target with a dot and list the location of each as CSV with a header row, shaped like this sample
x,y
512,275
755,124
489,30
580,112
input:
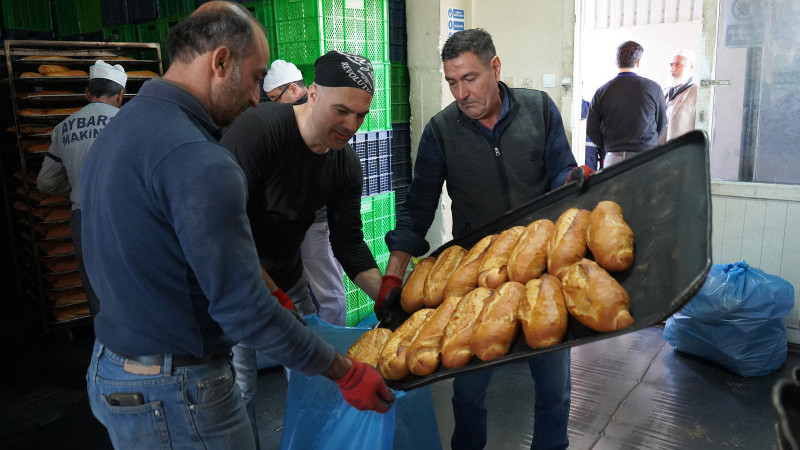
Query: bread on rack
x,y
38,147
543,313
497,326
68,73
50,68
494,267
411,296
609,238
446,264
30,75
32,112
528,260
568,244
142,73
41,93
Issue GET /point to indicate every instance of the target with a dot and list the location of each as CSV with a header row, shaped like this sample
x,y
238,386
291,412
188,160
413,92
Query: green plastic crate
x,y
307,29
264,12
27,15
157,31
174,8
380,115
77,16
121,33
401,109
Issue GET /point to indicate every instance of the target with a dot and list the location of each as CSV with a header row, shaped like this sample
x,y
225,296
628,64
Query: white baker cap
x,y
102,69
280,73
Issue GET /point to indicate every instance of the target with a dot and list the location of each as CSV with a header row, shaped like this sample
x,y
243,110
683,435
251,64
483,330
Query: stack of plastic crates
x,y
374,150
307,29
401,107
401,161
378,218
27,19
78,20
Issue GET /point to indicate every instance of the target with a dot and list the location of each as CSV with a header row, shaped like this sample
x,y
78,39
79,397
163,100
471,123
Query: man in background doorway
x,y
627,114
681,97
284,84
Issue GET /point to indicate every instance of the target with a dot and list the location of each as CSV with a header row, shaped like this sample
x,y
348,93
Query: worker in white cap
x,y
71,141
284,83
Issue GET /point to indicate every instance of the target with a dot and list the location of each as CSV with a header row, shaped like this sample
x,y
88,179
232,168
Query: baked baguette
x,y
497,326
595,298
411,295
44,69
32,112
528,260
368,347
456,349
64,110
568,244
494,271
392,361
30,75
425,353
609,238
68,73
141,73
465,278
542,312
446,263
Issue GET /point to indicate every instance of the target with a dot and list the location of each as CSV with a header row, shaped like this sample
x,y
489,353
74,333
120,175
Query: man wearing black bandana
x,y
297,159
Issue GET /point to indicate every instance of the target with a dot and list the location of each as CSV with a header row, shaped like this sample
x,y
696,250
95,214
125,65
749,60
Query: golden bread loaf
x,y
425,353
44,69
595,298
456,349
609,238
68,73
64,110
465,277
528,260
392,360
446,263
494,267
368,347
141,73
542,312
411,295
568,244
497,326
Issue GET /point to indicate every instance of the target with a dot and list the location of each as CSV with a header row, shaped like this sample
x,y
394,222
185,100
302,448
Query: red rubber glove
x,y
389,282
576,173
364,389
283,299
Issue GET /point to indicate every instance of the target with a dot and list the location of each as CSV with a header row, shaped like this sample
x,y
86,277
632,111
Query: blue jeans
x,y
550,373
183,407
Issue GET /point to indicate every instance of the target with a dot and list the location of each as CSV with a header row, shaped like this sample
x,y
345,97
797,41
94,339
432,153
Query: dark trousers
x,y
75,228
594,157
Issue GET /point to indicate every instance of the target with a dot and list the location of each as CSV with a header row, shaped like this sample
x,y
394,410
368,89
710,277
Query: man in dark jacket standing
x,y
497,148
629,112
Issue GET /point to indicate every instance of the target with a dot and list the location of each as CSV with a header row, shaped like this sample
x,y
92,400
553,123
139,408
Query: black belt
x,y
177,360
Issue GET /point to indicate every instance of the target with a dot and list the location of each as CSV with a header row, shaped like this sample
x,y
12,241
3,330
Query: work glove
x,y
388,295
364,389
578,173
286,302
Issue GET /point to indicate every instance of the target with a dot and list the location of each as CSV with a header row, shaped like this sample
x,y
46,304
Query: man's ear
x,y
88,97
495,65
221,61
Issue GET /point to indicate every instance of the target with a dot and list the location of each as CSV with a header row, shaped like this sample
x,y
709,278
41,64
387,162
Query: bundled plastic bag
x,y
735,320
317,417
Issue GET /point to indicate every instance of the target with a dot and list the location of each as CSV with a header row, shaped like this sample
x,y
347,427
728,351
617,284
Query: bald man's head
x,y
214,24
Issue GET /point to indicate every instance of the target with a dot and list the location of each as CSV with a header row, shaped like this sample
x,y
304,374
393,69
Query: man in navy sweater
x,y
629,112
169,251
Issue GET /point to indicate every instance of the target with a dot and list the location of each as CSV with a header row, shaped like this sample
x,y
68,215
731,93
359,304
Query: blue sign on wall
x,y
455,20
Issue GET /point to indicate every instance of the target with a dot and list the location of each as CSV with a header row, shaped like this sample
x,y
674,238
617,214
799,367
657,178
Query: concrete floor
x,y
629,392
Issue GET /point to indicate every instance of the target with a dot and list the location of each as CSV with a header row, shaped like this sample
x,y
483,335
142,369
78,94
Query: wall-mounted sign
x,y
455,20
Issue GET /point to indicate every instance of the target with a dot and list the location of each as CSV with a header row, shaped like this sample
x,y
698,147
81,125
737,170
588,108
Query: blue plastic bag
x,y
317,417
736,320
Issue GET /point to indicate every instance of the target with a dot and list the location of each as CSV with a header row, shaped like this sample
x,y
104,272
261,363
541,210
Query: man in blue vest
x,y
497,148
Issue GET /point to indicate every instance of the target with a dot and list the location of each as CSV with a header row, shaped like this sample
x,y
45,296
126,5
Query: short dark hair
x,y
204,31
628,53
102,87
475,40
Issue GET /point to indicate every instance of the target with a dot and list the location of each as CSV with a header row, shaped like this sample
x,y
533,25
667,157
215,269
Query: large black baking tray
x,y
665,196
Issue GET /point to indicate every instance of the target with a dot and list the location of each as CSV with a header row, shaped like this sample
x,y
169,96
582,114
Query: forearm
x,y
338,367
370,282
271,286
398,262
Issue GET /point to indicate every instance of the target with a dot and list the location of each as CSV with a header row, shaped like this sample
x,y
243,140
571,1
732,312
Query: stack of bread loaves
x,y
473,303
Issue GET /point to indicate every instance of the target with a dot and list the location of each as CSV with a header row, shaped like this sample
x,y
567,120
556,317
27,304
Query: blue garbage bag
x,y
736,320
317,417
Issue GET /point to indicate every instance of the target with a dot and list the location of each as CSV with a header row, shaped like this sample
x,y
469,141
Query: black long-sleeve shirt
x,y
287,183
627,114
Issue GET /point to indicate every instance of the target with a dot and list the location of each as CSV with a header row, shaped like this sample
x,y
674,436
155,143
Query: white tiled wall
x,y
759,223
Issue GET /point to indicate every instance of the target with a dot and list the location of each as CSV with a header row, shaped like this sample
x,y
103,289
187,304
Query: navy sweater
x,y
167,242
